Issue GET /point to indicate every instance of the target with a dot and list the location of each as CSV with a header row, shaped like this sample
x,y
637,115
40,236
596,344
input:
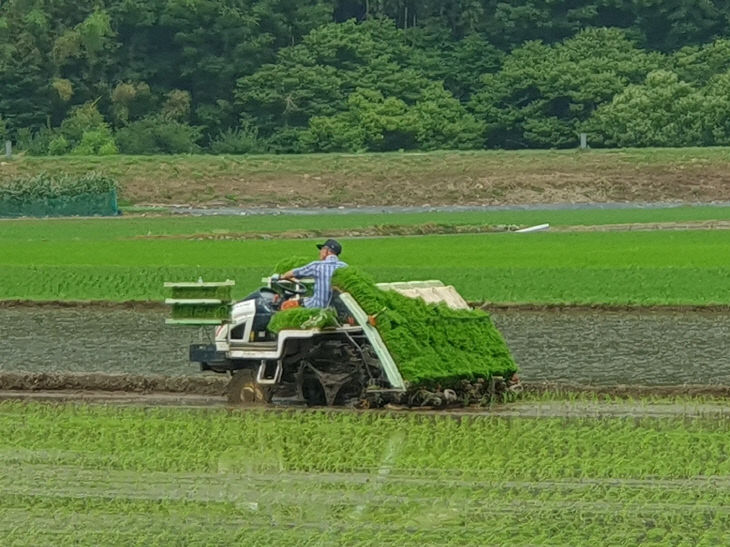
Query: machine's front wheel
x,y
243,389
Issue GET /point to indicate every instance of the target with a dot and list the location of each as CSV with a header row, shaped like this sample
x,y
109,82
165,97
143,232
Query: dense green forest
x,y
240,76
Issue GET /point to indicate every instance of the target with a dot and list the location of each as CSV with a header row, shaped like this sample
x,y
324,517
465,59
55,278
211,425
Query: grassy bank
x,y
120,259
538,176
155,476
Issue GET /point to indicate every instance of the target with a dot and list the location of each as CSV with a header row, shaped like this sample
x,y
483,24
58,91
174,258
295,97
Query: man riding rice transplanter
x,y
321,270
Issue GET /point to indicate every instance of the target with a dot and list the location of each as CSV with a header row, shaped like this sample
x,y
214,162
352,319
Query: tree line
x,y
240,76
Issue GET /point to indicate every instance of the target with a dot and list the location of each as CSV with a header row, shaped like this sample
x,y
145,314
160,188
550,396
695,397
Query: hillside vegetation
x,y
241,76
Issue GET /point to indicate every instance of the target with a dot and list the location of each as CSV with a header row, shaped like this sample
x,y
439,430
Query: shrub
x,y
37,144
97,142
58,146
157,135
109,148
243,140
82,119
23,138
45,186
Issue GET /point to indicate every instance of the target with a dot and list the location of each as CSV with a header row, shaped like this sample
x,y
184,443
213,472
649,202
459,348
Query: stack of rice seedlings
x,y
433,345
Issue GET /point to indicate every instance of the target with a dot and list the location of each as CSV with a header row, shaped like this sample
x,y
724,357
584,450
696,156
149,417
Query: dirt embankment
x,y
131,383
515,181
436,178
491,188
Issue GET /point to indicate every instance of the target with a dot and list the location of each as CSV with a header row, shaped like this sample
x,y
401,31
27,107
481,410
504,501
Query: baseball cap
x,y
331,244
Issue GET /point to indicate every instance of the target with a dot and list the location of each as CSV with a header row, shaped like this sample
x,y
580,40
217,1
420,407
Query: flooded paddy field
x,y
598,347
646,347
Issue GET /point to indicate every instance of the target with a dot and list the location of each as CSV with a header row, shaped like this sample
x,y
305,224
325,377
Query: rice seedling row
x,y
141,475
617,268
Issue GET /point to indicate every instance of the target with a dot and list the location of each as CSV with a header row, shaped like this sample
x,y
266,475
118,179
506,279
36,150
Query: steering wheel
x,y
289,287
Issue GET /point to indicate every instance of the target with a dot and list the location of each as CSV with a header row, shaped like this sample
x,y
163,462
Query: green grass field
x,y
207,477
112,259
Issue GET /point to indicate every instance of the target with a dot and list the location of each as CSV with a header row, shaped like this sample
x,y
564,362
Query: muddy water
x,y
51,339
596,347
609,347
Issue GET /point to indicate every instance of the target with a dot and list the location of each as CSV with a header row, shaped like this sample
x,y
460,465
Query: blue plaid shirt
x,y
321,271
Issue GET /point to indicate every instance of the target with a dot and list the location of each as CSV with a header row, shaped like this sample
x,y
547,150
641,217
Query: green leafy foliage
x,y
58,145
288,70
374,122
60,195
158,135
46,186
83,119
431,344
543,92
99,142
701,63
83,133
665,111
243,140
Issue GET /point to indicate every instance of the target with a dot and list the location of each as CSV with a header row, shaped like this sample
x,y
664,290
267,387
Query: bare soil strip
x,y
208,391
627,391
393,230
214,385
647,226
72,383
134,305
440,229
123,398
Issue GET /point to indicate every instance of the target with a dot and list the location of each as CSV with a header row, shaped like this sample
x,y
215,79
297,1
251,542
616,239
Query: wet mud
x,y
625,402
600,347
214,385
595,348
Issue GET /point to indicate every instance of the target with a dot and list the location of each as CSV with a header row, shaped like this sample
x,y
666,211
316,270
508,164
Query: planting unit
x,y
373,346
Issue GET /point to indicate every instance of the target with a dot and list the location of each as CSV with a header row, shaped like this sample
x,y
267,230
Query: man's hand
x,y
288,275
